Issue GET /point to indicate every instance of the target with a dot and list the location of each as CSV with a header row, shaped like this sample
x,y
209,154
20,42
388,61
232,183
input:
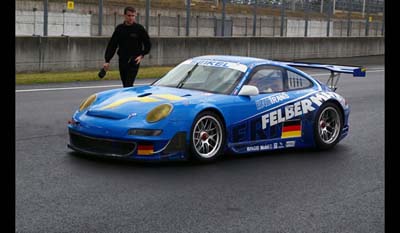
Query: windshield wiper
x,y
189,73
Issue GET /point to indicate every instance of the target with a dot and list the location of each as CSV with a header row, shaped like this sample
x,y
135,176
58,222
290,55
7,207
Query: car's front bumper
x,y
173,149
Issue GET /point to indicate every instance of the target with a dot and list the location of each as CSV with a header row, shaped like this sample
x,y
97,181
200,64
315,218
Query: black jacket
x,y
131,41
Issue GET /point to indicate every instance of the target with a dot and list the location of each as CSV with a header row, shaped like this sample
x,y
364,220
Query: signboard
x,y
70,5
370,19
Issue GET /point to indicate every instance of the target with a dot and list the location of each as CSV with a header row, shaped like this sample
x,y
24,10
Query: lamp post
x,y
306,5
334,7
350,9
322,6
282,16
147,15
367,21
100,17
63,11
223,18
45,16
254,17
34,21
187,16
363,8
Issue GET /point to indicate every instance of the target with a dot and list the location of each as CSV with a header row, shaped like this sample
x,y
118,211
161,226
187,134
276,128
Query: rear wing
x,y
335,70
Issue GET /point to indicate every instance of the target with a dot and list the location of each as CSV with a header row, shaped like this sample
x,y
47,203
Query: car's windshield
x,y
205,78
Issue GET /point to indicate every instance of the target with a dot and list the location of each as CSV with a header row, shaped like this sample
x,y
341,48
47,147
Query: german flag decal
x,y
145,149
291,129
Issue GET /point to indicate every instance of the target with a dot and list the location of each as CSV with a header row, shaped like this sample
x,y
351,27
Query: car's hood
x,y
126,102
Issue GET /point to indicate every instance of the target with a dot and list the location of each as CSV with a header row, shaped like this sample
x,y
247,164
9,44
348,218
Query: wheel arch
x,y
216,111
316,141
340,107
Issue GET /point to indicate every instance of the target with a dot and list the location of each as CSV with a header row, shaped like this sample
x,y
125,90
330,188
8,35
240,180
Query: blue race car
x,y
210,105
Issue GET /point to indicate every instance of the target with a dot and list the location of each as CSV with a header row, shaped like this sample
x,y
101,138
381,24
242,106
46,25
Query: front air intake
x,y
102,146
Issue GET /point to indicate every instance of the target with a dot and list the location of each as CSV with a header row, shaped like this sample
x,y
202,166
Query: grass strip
x,y
81,76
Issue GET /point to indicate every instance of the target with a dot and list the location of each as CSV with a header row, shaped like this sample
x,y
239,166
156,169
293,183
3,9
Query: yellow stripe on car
x,y
130,99
168,97
159,97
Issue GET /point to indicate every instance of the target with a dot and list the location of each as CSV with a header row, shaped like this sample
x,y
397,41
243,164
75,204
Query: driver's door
x,y
247,133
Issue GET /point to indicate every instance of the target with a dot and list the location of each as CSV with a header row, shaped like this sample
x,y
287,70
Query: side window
x,y
296,81
267,80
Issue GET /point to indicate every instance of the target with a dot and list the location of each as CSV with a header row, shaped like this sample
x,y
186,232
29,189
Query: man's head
x,y
130,15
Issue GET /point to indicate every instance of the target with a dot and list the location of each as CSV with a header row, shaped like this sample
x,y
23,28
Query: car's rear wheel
x,y
207,137
328,126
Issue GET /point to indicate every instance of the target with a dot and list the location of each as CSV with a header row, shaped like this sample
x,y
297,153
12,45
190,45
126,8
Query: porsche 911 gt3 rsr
x,y
210,105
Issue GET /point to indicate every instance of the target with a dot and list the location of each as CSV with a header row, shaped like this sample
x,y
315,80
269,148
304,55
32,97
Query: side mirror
x,y
249,90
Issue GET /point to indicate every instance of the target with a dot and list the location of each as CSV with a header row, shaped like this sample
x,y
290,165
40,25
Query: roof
x,y
236,59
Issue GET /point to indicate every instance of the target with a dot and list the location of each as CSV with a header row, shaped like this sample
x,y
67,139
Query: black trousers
x,y
128,71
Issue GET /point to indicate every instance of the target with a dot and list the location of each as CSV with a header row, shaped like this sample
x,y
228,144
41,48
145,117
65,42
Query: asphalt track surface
x,y
340,190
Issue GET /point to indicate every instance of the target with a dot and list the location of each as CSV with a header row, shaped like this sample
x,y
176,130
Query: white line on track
x,y
93,87
72,88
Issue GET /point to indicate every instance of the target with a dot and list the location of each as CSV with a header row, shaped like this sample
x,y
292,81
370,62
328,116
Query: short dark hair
x,y
129,8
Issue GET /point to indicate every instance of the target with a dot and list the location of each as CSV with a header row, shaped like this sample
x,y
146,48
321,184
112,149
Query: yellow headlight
x,y
87,102
159,113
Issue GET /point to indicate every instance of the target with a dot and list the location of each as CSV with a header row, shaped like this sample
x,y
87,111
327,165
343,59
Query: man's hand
x,y
139,59
106,66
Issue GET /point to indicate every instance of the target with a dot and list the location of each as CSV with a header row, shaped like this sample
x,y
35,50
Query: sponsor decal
x,y
296,109
268,124
222,64
267,101
270,146
145,149
70,5
252,148
291,129
132,115
265,147
290,143
341,100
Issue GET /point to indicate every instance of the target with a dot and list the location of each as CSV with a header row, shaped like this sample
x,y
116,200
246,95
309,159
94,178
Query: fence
x,y
321,6
205,18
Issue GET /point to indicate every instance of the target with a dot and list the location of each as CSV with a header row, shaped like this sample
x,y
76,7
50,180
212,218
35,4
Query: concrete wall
x,y
265,26
86,53
68,23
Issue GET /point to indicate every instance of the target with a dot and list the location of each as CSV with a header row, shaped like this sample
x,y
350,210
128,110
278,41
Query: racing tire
x,y
328,126
207,137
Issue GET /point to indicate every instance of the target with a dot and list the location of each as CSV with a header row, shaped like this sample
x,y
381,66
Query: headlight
x,y
87,102
159,113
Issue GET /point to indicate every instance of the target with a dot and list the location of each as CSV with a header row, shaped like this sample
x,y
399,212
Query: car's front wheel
x,y
207,137
328,126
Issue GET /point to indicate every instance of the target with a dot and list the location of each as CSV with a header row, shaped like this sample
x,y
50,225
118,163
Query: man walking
x,y
133,42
